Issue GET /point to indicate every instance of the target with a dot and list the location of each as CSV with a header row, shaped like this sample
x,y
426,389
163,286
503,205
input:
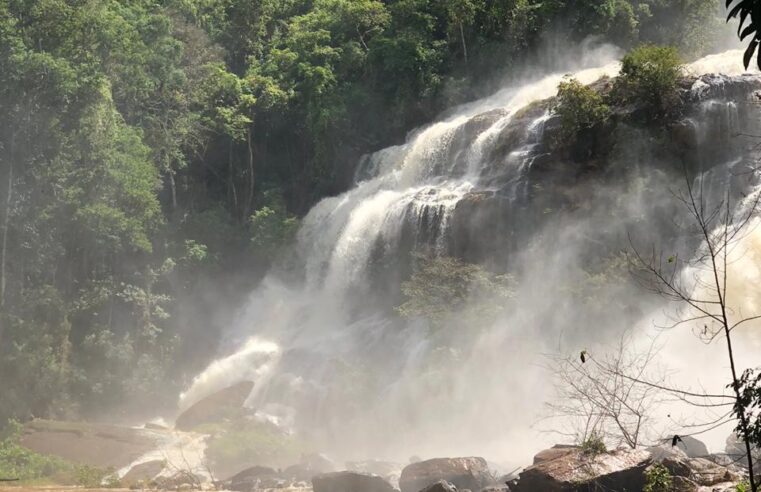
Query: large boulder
x,y
464,473
622,469
100,445
251,479
311,465
143,472
390,471
707,473
219,406
694,448
348,481
556,451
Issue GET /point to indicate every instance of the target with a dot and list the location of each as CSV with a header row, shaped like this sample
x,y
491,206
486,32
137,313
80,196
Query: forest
x,y
156,157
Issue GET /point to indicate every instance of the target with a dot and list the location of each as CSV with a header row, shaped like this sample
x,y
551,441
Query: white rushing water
x,y
364,384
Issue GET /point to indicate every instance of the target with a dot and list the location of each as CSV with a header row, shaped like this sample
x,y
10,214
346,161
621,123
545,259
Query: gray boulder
x,y
464,473
217,407
348,481
309,466
251,479
621,469
708,473
554,452
694,448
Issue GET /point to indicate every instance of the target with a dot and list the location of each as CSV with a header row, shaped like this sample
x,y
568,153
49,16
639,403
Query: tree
x,y
603,398
583,115
745,10
649,77
442,288
461,13
698,285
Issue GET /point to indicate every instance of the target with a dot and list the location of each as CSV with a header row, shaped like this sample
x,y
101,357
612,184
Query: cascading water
x,y
331,360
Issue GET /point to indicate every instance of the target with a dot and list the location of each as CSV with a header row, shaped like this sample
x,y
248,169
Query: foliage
x,y
594,444
272,228
582,112
745,10
441,287
243,441
649,77
657,479
19,462
749,403
93,477
743,486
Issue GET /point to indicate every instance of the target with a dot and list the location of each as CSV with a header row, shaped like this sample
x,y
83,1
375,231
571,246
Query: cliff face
x,y
530,182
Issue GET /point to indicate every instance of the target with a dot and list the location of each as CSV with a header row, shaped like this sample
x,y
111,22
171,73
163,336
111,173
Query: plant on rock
x,y
583,113
657,479
649,77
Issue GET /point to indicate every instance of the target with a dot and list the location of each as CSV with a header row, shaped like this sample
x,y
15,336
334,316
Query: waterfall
x,y
326,352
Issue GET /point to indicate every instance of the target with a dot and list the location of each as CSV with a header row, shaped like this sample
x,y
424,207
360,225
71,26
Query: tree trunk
x,y
464,47
173,190
251,177
4,244
231,180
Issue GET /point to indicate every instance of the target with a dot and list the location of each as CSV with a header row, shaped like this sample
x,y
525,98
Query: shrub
x,y
442,288
581,109
18,462
649,77
241,442
593,445
657,479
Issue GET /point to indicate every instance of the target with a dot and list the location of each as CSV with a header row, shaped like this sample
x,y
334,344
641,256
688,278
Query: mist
x,y
360,382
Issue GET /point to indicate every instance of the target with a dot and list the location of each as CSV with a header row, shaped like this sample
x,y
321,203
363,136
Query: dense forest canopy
x,y
155,152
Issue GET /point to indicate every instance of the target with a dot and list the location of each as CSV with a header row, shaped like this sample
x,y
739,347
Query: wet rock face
x,y
347,481
215,407
719,86
622,469
464,473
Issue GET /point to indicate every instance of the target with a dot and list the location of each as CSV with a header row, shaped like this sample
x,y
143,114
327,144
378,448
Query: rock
x,y
464,473
622,469
143,472
382,468
554,452
390,471
677,467
681,484
216,407
496,488
99,445
663,451
440,486
707,473
154,426
250,478
309,466
694,448
348,481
